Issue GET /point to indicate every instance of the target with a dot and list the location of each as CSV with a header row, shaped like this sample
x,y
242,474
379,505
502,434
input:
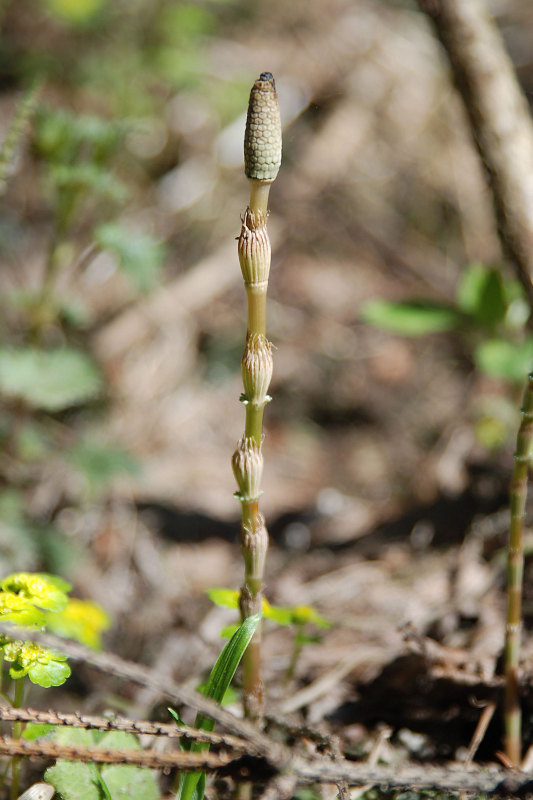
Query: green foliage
x,y
282,615
139,254
43,666
71,779
481,293
63,137
413,318
40,600
191,786
489,312
99,463
41,590
500,358
74,781
48,379
82,620
75,13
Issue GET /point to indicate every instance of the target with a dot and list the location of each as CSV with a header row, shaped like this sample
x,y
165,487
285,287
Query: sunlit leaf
x,y
74,780
191,784
500,358
415,318
139,254
48,379
481,293
227,598
82,620
75,12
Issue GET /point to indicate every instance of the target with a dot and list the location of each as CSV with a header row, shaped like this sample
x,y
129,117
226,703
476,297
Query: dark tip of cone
x,y
267,76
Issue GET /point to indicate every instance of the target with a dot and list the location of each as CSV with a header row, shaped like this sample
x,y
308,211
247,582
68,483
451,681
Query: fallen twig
x,y
499,117
137,727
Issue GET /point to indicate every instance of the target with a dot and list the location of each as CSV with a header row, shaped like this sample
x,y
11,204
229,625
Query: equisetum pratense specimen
x,y
515,572
262,159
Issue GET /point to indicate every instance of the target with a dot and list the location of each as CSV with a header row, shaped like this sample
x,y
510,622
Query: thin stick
x,y
137,727
262,156
499,117
515,573
480,731
189,762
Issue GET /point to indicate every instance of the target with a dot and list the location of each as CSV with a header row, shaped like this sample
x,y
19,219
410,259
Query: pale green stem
x,y
259,191
515,571
251,596
18,702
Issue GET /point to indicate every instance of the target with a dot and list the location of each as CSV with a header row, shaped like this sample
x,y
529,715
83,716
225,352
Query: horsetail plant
x,y
515,573
262,159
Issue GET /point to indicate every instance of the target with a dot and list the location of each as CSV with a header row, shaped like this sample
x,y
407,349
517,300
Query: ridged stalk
x,y
262,156
515,572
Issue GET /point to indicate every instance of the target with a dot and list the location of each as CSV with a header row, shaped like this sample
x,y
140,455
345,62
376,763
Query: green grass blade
x,y
191,786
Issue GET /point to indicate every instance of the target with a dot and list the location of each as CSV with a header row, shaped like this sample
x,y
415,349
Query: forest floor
x,y
387,512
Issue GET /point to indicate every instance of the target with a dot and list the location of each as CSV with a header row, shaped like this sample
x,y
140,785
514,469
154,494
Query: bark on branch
x,y
499,116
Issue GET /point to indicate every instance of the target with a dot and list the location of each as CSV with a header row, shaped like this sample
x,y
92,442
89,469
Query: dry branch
x,y
499,117
450,778
141,758
265,760
112,664
137,727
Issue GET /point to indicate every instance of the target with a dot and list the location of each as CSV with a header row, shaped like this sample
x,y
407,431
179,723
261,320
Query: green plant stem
x,y
256,296
251,599
259,191
18,702
515,572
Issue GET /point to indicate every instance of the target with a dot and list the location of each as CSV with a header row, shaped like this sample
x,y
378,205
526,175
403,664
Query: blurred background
x,y
400,333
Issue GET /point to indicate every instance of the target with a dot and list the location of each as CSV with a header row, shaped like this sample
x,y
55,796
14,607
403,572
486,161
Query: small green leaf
x,y
74,780
414,318
99,463
37,730
82,620
302,615
226,598
77,13
53,673
139,254
283,616
190,787
500,358
225,666
43,666
230,695
103,787
481,293
88,179
74,736
48,379
228,631
129,781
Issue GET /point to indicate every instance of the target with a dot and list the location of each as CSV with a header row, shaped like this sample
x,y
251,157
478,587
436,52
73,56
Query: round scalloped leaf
x,y
43,666
74,781
52,673
127,780
51,380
